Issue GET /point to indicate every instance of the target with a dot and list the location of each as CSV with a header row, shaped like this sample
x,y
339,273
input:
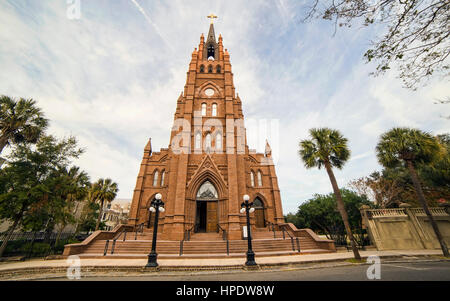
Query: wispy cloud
x,y
149,20
109,80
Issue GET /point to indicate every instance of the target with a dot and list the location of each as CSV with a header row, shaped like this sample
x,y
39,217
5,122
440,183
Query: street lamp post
x,y
156,207
247,208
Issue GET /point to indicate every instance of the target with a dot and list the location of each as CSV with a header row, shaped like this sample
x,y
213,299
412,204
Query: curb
x,y
36,273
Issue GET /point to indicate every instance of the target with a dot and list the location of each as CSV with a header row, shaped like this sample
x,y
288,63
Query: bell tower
x,y
208,167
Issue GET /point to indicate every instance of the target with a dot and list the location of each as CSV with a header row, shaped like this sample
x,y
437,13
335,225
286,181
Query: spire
x,y
211,48
148,147
211,34
268,150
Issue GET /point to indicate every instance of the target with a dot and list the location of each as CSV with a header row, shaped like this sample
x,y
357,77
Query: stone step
x,y
212,236
200,246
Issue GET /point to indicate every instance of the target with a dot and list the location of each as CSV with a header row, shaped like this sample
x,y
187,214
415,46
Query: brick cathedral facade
x,y
208,167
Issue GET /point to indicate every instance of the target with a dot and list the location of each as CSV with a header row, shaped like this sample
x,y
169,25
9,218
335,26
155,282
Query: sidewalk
x,y
54,267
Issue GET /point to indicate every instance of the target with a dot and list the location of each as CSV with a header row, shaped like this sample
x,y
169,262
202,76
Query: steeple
x,y
211,49
211,35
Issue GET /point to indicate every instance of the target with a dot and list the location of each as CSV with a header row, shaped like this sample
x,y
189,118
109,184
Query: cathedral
x,y
208,166
203,177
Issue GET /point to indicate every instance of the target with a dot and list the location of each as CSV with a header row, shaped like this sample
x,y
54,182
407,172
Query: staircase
x,y
201,245
211,236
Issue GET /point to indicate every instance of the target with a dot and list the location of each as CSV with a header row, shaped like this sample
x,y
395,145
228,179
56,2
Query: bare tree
x,y
416,33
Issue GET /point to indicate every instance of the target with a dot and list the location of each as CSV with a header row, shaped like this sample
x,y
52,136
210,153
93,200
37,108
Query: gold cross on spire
x,y
212,17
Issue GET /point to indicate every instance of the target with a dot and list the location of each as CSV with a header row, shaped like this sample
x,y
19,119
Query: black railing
x,y
41,236
187,233
181,247
271,227
224,237
224,232
292,237
106,248
140,229
38,244
124,232
298,244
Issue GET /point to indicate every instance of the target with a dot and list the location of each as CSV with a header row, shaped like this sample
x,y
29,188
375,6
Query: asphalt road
x,y
389,271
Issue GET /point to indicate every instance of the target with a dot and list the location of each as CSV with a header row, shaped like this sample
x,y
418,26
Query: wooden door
x,y
211,217
259,215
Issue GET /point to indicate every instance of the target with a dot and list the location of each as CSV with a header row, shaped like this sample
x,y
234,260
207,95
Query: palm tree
x,y
20,121
76,189
328,148
411,147
103,190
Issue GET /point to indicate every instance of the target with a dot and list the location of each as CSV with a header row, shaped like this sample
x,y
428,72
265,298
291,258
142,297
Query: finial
x,y
212,17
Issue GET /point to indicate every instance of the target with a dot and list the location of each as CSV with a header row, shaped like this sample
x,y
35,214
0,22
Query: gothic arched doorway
x,y
259,213
206,210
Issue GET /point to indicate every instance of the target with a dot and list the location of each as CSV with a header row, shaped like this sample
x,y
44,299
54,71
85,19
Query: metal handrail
x,y
139,228
224,232
298,244
117,237
271,225
187,233
181,247
106,248
292,239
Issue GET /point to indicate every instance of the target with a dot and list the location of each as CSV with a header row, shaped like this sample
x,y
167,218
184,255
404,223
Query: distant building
x,y
116,213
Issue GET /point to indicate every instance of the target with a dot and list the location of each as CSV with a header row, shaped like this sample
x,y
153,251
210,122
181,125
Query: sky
x,y
112,78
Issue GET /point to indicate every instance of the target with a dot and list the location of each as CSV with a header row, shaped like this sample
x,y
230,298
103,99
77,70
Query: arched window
x,y
210,69
163,175
202,69
207,191
155,178
214,109
211,51
203,109
219,141
208,142
218,69
260,221
252,179
198,140
258,203
259,179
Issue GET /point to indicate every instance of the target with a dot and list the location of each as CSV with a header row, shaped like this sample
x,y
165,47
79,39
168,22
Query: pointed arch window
x,y
203,109
218,69
210,69
208,142
219,141
211,51
155,178
163,175
207,191
259,179
257,203
202,69
252,179
214,109
198,140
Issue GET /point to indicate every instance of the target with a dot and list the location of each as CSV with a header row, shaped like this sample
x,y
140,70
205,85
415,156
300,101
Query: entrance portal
x,y
259,213
206,216
206,210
